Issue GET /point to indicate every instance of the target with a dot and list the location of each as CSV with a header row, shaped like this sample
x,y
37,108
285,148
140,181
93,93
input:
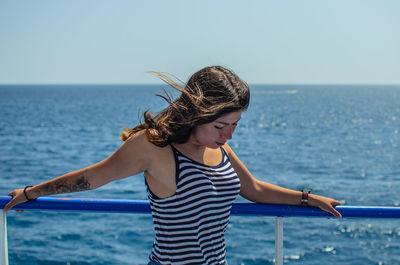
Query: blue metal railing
x,y
142,206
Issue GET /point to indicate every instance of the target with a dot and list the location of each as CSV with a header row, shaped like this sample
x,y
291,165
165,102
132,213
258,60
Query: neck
x,y
192,146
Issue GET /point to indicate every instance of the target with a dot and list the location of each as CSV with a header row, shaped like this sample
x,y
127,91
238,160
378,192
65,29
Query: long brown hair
x,y
210,93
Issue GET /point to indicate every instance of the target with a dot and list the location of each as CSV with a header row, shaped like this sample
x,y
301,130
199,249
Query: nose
x,y
228,132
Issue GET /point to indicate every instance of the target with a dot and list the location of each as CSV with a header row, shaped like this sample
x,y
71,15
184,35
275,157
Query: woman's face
x,y
216,133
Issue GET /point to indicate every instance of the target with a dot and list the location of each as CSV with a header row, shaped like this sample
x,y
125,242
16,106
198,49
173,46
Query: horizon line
x,y
156,84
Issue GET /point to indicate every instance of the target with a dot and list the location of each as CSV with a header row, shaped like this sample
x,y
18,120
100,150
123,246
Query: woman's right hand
x,y
18,197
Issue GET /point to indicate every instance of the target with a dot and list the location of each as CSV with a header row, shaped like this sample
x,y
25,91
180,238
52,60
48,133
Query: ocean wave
x,y
276,91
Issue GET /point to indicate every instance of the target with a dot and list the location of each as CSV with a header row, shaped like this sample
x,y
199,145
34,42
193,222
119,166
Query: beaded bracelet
x,y
304,197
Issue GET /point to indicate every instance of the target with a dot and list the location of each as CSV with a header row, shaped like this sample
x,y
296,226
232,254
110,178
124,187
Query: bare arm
x,y
130,159
263,192
71,182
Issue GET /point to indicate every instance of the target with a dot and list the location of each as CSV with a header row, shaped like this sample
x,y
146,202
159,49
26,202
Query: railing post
x,y
3,239
278,240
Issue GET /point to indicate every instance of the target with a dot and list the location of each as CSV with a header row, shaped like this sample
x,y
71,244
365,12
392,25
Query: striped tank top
x,y
190,225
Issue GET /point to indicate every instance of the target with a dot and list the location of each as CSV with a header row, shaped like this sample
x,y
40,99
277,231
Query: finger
x,y
8,206
330,209
336,213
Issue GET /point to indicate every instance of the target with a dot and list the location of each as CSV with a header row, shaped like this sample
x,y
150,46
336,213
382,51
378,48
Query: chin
x,y
213,146
219,144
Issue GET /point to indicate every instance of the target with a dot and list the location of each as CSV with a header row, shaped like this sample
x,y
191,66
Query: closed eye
x,y
220,128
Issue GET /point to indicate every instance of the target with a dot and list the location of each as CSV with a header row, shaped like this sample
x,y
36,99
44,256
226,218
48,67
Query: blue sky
x,y
274,42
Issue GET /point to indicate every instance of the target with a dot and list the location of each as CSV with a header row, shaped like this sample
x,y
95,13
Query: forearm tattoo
x,y
64,186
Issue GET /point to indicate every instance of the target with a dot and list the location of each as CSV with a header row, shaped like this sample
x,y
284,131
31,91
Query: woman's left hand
x,y
324,203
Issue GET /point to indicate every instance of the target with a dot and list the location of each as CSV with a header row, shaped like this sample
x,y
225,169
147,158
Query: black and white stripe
x,y
190,225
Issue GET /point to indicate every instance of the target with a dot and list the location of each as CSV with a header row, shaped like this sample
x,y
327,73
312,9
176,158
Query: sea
x,y
341,141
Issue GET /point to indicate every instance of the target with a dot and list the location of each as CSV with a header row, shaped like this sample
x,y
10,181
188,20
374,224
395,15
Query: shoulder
x,y
158,161
139,144
246,178
228,150
231,154
233,157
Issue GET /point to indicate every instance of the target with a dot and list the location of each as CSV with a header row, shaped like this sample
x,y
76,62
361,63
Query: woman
x,y
191,173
